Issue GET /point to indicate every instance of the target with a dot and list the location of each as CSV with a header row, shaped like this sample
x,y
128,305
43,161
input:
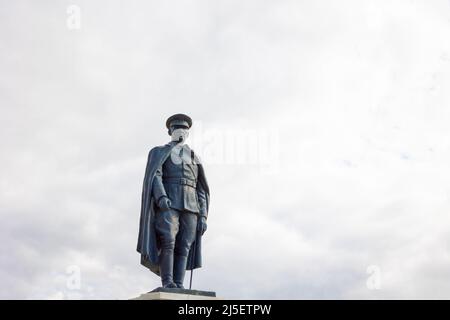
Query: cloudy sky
x,y
322,125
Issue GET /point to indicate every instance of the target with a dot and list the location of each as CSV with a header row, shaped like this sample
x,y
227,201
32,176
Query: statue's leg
x,y
167,226
185,238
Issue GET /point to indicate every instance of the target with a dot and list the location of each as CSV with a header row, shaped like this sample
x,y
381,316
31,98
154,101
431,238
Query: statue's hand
x,y
164,203
201,225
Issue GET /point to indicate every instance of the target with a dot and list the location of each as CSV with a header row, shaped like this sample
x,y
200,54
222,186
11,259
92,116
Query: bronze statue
x,y
174,208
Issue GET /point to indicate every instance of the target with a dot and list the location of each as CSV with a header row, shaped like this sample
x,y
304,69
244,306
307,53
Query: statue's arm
x,y
158,187
201,195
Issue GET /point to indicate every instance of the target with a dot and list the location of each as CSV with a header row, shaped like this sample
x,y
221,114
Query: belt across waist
x,y
182,181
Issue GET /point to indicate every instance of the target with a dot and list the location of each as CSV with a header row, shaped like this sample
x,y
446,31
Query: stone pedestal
x,y
177,294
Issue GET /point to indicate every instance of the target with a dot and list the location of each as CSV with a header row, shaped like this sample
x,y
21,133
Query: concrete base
x,y
161,293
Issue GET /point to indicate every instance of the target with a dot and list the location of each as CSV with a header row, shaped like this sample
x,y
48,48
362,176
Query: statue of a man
x,y
174,208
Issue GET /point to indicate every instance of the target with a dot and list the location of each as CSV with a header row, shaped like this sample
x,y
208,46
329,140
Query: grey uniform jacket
x,y
177,179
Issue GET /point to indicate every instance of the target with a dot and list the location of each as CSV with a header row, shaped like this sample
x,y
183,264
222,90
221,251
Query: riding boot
x,y
179,270
166,269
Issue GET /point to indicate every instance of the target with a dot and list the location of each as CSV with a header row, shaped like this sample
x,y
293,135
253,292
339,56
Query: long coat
x,y
148,244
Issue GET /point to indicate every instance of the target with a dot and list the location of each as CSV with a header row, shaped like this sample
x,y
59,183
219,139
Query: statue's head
x,y
178,127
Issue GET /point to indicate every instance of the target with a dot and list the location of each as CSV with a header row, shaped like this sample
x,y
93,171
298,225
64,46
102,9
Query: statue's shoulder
x,y
158,149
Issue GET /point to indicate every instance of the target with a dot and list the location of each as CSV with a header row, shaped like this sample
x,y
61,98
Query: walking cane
x,y
193,257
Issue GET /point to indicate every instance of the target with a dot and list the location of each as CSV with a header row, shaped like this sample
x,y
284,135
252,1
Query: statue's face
x,y
179,134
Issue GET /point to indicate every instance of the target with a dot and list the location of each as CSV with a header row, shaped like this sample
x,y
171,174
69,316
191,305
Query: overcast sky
x,y
323,127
